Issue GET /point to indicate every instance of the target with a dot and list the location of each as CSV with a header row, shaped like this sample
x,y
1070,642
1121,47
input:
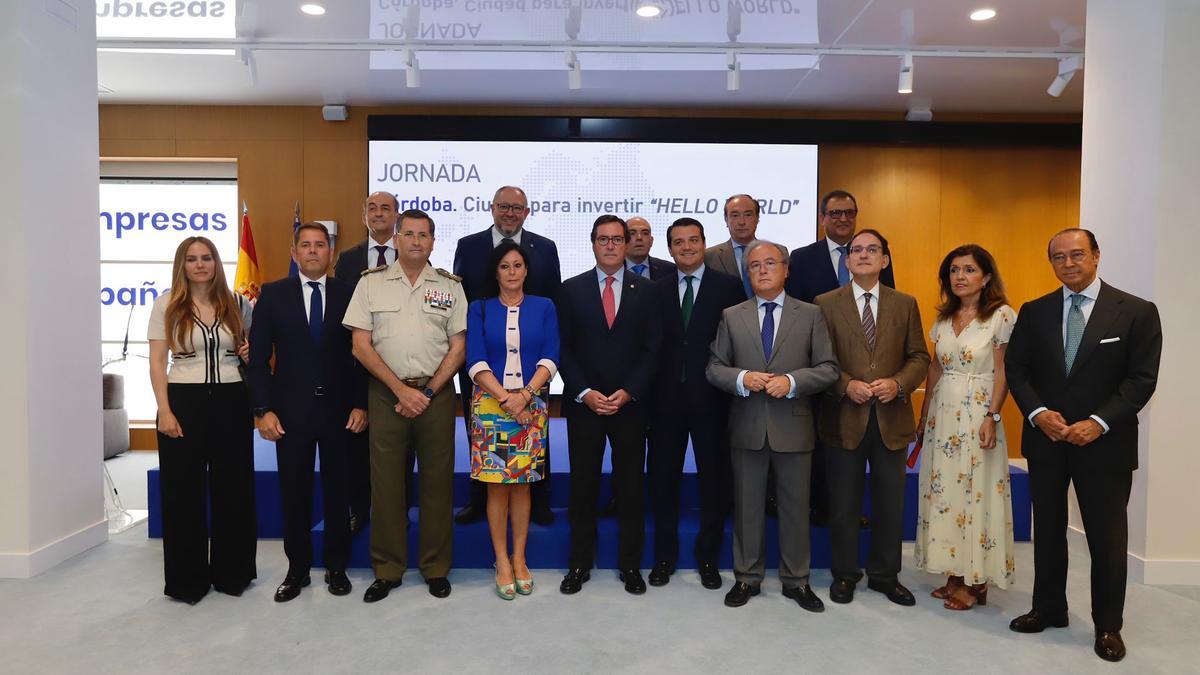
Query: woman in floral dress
x,y
965,527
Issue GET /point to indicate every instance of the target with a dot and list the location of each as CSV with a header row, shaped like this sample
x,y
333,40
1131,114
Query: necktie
x,y
768,329
316,322
868,321
740,253
1075,327
640,269
685,313
843,271
609,300
382,259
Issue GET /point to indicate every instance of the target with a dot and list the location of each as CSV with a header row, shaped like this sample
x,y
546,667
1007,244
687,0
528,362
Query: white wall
x,y
1140,174
51,497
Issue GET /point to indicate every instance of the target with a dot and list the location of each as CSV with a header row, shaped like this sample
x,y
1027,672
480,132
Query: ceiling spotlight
x,y
312,8
906,75
648,10
574,72
1066,72
733,73
983,14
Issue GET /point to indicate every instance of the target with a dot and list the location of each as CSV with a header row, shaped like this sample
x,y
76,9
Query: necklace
x,y
962,319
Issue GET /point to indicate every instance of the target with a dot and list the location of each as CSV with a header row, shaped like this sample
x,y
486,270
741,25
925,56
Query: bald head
x,y
640,239
380,213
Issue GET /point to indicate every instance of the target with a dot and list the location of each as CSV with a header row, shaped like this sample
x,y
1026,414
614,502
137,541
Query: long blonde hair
x,y
180,319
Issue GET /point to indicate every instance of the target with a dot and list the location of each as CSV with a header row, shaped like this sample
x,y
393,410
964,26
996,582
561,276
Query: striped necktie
x,y
868,321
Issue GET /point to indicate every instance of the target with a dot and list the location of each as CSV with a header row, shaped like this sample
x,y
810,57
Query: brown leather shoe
x,y
1036,622
1109,645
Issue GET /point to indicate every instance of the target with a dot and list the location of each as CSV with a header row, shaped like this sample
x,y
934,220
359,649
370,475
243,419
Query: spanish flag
x,y
248,280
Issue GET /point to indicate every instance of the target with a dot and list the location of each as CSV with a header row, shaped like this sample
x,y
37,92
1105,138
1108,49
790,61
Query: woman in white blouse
x,y
204,427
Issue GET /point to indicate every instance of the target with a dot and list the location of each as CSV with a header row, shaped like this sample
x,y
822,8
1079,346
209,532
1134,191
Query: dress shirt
x,y
835,254
618,279
373,253
762,315
697,276
308,291
1089,302
498,237
860,293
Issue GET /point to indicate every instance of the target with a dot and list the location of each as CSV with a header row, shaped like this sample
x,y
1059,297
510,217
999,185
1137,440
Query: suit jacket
x,y
471,259
602,358
352,262
487,322
722,259
801,349
659,268
281,326
811,272
899,353
689,348
1113,376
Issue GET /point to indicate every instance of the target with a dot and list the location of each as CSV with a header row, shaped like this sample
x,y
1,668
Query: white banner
x,y
166,18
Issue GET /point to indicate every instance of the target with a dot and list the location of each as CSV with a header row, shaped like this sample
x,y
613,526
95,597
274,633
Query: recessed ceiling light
x,y
983,14
312,8
648,10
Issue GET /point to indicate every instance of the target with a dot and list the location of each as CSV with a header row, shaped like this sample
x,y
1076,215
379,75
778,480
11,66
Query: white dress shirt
x,y
389,254
1086,306
835,254
498,236
697,277
308,291
859,298
777,313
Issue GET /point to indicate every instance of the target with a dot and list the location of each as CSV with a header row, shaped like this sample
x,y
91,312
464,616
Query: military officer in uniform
x,y
409,321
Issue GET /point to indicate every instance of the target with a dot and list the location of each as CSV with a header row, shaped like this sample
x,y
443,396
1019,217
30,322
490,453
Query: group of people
x,y
790,372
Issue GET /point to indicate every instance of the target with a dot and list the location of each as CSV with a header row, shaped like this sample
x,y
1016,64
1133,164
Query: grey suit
x,y
722,258
768,432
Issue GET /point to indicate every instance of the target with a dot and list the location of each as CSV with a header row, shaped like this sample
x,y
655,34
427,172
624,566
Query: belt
x,y
416,382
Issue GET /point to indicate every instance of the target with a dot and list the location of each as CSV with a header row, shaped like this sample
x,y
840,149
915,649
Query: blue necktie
x,y
843,271
316,322
768,330
740,254
1075,327
639,269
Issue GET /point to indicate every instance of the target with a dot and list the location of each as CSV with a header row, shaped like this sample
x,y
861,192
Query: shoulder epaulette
x,y
449,275
372,269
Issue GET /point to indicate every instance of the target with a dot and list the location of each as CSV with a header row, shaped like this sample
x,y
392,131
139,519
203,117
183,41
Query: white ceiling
x,y
339,71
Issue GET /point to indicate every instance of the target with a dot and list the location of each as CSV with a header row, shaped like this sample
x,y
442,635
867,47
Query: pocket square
x,y
1108,340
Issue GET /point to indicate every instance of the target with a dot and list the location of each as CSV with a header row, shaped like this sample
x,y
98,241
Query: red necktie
x,y
609,299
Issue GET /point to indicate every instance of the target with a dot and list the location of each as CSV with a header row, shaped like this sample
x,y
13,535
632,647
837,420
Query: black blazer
x,y
352,262
597,357
280,326
1114,374
659,268
690,348
811,272
471,259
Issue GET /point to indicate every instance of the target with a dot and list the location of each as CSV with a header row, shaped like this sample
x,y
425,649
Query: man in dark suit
x,y
510,208
773,354
380,214
610,337
741,217
1081,363
685,404
315,394
816,269
637,253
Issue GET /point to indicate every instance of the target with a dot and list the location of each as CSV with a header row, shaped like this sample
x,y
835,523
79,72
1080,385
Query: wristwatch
x,y
995,416
428,393
261,412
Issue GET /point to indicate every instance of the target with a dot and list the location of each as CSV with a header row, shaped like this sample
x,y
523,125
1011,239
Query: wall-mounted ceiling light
x,y
313,8
983,14
574,72
733,73
647,9
906,75
1066,72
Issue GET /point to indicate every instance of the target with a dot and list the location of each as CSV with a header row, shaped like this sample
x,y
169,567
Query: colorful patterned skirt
x,y
502,450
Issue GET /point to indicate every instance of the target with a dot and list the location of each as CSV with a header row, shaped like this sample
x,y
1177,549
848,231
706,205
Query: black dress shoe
x,y
1109,645
1036,622
804,596
542,515
710,576
610,509
471,513
357,523
894,590
439,587
379,589
574,581
290,588
338,582
633,581
661,574
740,594
841,591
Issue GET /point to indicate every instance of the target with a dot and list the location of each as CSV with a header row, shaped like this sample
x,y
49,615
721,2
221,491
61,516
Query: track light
x,y
313,8
648,9
412,69
906,75
1066,72
574,72
733,72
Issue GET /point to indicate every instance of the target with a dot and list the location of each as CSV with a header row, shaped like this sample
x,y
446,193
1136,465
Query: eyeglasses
x,y
768,264
872,249
615,240
515,208
1077,256
837,214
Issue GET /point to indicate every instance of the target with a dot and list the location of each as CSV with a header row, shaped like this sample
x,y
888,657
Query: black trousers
x,y
679,416
1103,498
210,467
539,492
323,426
586,436
846,471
